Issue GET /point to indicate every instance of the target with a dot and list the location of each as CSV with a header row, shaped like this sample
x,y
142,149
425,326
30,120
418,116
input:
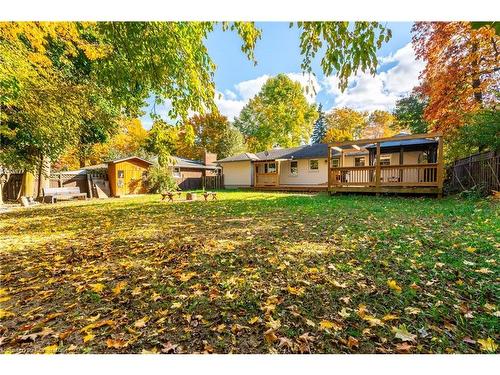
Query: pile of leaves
x,y
251,273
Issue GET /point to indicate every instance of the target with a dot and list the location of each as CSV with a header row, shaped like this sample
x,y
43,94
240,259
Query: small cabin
x,y
128,176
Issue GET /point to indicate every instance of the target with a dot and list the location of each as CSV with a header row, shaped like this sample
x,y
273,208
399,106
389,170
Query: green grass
x,y
312,270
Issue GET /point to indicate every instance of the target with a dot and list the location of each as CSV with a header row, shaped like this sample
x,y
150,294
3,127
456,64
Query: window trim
x,y
292,174
384,157
176,172
360,158
337,160
314,169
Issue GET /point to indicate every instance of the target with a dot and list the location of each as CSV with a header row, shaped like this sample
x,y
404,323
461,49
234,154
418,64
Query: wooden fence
x,y
85,182
476,172
213,182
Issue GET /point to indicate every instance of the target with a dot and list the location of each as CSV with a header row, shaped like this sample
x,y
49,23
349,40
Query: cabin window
x,y
121,173
177,172
359,161
271,168
294,168
313,165
336,163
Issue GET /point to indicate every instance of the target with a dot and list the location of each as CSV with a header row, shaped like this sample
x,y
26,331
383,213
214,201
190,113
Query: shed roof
x,y
129,158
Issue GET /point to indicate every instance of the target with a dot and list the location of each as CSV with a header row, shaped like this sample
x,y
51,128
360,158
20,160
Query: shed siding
x,y
132,181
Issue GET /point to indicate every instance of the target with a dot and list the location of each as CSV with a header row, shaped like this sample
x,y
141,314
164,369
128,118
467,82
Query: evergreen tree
x,y
319,131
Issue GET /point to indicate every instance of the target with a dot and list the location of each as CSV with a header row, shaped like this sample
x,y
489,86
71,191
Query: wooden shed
x,y
128,176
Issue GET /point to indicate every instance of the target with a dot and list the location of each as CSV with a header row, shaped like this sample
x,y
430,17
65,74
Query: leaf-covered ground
x,y
251,273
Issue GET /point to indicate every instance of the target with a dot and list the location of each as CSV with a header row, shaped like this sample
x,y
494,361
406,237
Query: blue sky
x,y
237,79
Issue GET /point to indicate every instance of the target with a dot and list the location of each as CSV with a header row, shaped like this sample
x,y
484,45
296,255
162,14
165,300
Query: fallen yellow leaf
x,y
254,320
97,287
51,349
117,344
295,291
88,337
141,322
394,286
326,324
488,345
5,313
119,287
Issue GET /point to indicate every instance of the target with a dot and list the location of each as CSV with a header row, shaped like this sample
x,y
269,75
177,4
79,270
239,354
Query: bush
x,y
160,179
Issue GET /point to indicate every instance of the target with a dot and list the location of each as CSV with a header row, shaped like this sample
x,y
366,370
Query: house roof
x,y
319,150
188,163
407,142
247,156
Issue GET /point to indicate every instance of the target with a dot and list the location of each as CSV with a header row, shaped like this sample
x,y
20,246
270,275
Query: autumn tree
x,y
279,115
347,47
213,133
344,124
409,113
319,130
60,79
461,73
380,124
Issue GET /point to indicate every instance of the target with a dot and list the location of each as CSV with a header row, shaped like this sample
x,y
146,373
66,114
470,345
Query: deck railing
x,y
266,179
390,175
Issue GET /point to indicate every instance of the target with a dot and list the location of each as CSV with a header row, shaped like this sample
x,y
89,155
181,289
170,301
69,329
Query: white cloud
x,y
248,89
231,95
381,91
230,108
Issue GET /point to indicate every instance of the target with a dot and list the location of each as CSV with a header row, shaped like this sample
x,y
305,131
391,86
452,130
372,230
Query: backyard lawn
x,y
251,273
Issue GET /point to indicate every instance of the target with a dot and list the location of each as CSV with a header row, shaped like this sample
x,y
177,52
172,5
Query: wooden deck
x,y
304,188
424,178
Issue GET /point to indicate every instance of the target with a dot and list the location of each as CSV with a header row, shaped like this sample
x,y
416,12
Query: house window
x,y
294,168
121,173
177,172
271,168
385,160
313,165
359,161
335,163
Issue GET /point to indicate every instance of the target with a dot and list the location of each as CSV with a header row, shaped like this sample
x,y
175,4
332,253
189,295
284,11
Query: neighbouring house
x,y
406,163
190,174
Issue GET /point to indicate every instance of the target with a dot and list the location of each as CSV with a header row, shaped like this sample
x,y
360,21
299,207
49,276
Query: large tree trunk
x,y
476,77
43,175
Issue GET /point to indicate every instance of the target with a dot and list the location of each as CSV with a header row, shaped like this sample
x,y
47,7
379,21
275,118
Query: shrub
x,y
161,179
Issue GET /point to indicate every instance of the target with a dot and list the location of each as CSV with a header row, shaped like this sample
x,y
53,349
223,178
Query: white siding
x,y
305,176
237,174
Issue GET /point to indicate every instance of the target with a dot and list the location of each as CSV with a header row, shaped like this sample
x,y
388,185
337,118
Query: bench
x,y
170,195
210,194
63,193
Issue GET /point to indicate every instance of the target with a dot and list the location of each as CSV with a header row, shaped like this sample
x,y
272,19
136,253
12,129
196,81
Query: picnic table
x,y
63,193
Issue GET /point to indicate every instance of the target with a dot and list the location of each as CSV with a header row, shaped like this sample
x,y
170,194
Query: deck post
x,y
277,172
328,168
377,167
440,167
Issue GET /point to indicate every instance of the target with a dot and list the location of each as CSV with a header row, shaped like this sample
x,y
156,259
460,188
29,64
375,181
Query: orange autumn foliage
x,y
461,75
